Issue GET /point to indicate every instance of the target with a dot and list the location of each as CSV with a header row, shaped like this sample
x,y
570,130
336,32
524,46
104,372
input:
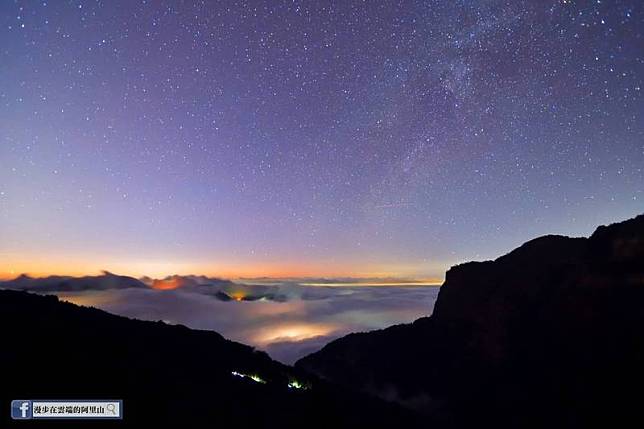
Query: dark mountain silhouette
x,y
186,282
224,290
167,375
67,284
549,335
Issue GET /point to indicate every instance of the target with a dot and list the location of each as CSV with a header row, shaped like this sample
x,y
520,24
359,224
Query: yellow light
x,y
256,378
238,296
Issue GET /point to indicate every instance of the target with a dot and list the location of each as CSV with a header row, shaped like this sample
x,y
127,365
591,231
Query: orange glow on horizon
x,y
11,268
167,284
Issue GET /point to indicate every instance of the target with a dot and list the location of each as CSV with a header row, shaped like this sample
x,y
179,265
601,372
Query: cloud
x,y
286,319
289,352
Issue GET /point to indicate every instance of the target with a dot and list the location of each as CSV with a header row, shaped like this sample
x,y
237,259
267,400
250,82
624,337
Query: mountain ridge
x,y
558,319
167,375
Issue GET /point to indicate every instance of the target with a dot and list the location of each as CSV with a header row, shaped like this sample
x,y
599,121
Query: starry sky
x,y
312,138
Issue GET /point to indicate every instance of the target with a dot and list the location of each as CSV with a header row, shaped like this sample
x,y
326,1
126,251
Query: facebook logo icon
x,y
20,409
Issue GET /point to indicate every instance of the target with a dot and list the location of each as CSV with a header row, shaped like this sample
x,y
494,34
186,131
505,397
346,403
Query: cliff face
x,y
551,332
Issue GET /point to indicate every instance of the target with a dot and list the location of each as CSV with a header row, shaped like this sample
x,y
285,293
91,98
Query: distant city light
x,y
294,384
256,378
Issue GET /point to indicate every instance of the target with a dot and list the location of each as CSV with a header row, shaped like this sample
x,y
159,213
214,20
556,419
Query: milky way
x,y
312,138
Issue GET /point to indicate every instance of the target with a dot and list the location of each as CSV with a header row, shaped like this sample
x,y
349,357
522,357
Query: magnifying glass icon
x,y
111,408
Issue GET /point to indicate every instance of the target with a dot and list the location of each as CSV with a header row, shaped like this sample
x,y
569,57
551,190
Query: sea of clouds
x,y
288,319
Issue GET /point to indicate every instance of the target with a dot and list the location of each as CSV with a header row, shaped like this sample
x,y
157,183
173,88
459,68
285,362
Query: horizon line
x,y
340,280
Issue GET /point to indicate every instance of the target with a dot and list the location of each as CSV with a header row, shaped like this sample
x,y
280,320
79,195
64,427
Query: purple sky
x,y
311,138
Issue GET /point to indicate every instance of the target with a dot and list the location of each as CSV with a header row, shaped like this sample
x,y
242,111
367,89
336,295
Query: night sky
x,y
347,138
